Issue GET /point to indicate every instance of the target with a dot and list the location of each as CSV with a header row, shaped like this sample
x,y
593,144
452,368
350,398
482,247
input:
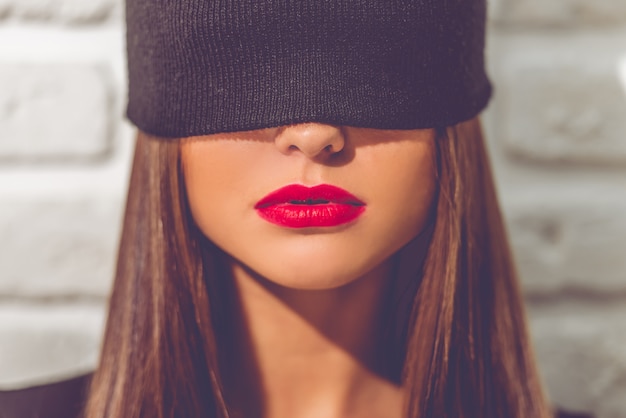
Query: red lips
x,y
298,206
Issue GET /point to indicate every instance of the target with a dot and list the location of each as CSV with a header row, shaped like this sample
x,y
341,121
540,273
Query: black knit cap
x,y
205,66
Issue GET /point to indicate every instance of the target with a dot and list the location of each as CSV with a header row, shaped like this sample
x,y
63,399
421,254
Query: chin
x,y
319,274
312,282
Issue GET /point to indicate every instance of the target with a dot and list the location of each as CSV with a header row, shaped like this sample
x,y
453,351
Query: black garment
x,y
198,67
66,399
56,400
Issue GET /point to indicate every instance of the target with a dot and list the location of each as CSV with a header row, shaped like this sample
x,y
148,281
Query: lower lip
x,y
310,216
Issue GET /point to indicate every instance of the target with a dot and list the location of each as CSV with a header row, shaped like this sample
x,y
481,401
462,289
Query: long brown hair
x,y
465,351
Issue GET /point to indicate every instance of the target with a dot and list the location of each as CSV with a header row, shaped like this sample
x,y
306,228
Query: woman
x,y
311,226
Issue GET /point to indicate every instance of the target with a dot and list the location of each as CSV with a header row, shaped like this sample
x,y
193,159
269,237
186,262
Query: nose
x,y
314,140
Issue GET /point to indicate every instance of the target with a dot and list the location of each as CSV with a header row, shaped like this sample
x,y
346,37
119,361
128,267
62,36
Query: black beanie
x,y
205,66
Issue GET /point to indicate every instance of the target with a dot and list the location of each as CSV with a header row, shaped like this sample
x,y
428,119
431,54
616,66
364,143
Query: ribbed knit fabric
x,y
206,66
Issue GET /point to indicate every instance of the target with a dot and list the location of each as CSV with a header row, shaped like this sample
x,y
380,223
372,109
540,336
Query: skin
x,y
312,299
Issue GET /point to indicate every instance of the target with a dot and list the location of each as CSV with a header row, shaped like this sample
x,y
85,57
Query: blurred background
x,y
557,136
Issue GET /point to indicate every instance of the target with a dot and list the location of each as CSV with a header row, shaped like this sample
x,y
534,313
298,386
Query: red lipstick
x,y
298,206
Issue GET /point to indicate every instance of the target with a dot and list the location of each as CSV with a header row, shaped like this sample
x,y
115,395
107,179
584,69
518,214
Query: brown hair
x,y
465,351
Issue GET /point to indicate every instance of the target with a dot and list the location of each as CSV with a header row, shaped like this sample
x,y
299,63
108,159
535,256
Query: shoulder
x,y
63,399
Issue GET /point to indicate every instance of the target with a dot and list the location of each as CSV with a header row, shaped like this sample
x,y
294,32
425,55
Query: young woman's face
x,y
355,196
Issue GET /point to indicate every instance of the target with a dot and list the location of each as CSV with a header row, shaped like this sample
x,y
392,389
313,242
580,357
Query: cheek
x,y
217,172
212,176
405,190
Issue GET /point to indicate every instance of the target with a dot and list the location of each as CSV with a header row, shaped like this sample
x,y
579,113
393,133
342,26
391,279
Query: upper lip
x,y
299,194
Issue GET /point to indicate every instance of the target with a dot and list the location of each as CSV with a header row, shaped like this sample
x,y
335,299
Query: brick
x,y
62,11
581,352
562,98
58,247
54,112
569,237
43,344
5,8
559,13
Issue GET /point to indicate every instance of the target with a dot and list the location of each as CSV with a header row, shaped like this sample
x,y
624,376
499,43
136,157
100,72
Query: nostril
x,y
312,140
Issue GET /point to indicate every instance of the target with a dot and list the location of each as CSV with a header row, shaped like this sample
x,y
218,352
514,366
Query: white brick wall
x,y
45,342
557,136
564,97
569,237
70,104
559,13
58,247
62,11
580,347
64,159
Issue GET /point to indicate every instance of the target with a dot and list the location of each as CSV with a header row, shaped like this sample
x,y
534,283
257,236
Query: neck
x,y
313,352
